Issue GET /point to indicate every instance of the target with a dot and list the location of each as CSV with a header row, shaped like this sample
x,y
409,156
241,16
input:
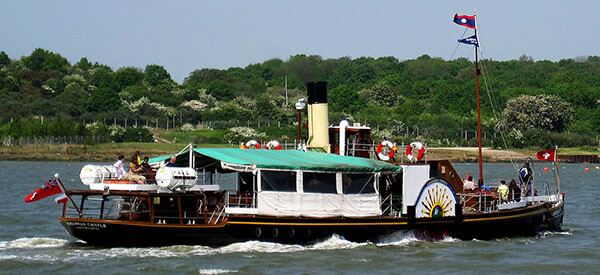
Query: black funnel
x,y
317,92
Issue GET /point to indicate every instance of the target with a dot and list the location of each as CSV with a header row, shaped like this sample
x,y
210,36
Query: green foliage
x,y
544,139
102,100
155,74
104,78
129,76
4,60
46,61
205,76
425,98
344,99
133,134
220,89
39,127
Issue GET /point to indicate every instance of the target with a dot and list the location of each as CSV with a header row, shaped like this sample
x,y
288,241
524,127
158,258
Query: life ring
x,y
388,144
273,145
415,145
252,143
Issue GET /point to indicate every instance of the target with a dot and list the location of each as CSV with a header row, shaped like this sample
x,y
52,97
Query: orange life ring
x,y
273,145
252,143
388,144
415,145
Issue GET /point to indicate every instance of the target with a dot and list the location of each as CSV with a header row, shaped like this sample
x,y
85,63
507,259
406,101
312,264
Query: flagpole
x,y
478,107
64,189
556,171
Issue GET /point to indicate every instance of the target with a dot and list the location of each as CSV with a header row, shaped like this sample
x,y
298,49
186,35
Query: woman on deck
x,y
134,171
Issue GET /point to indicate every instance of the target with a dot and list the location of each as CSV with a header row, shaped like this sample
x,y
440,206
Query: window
x,y
319,182
358,183
284,181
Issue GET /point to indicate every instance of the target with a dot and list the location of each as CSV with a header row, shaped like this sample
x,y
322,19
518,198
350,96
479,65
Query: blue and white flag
x,y
470,40
465,20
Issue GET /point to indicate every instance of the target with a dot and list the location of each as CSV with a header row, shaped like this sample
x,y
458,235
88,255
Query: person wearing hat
x,y
468,183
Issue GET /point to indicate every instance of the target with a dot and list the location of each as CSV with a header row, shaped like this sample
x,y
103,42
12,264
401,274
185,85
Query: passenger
x,y
503,190
485,189
149,172
526,178
171,162
146,165
134,171
515,190
468,183
137,155
119,167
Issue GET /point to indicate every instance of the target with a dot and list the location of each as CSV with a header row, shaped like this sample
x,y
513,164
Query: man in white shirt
x,y
119,167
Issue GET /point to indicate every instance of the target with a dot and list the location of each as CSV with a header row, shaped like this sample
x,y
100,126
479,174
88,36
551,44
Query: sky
x,y
184,36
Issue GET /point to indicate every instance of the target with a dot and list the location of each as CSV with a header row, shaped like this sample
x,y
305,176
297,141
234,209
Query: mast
x,y
556,170
478,106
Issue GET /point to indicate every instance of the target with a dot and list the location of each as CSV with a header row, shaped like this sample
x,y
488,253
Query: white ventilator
x,y
96,173
176,178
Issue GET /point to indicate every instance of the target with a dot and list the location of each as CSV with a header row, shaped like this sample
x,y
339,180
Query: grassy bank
x,y
97,152
110,151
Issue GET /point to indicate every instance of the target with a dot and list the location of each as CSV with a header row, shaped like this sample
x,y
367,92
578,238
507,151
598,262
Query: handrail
x,y
220,206
388,207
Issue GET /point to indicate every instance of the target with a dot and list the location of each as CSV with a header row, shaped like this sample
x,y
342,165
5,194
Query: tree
x,y
104,78
546,112
102,100
129,76
155,74
73,100
220,89
46,61
83,64
380,94
8,82
4,60
205,76
344,99
305,67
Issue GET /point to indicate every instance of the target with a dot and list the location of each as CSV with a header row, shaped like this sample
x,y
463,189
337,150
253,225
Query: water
x,y
31,239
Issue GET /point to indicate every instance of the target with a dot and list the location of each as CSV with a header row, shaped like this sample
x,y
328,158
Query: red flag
x,y
50,188
61,199
547,155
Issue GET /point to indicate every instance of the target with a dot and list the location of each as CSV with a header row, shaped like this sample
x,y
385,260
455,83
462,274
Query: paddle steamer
x,y
298,196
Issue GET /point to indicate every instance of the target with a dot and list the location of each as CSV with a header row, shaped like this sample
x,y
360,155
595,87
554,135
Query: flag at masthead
x,y
471,22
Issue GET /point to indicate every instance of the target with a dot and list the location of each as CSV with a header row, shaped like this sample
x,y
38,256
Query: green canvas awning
x,y
295,160
287,160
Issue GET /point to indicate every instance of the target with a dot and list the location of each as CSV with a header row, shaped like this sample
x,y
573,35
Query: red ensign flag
x,y
48,189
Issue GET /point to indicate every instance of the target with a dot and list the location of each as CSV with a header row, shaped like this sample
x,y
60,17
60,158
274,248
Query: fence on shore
x,y
20,141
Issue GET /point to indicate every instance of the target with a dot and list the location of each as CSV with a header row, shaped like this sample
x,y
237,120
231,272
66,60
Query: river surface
x,y
32,240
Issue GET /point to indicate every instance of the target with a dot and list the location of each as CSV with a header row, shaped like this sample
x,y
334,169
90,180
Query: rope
x,y
458,44
485,71
487,87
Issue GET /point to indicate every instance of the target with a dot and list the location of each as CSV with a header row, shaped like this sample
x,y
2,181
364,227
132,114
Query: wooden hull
x,y
522,222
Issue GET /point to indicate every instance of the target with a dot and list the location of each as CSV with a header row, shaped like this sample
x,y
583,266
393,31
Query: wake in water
x,y
60,250
75,250
215,271
412,237
546,234
32,243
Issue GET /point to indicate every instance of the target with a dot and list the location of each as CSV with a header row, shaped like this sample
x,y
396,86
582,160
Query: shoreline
x,y
109,152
